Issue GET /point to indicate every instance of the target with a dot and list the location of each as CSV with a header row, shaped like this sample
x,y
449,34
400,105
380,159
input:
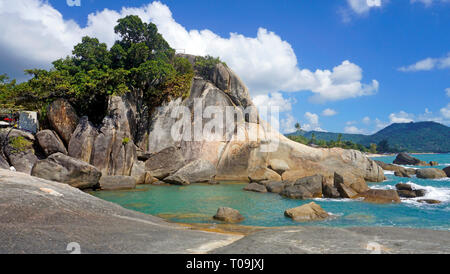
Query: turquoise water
x,y
198,203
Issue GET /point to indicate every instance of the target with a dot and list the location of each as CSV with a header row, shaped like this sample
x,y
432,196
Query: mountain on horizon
x,y
409,137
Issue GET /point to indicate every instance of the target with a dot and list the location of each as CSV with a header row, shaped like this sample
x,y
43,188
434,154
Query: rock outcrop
x,y
406,159
50,142
430,173
255,187
198,171
62,118
447,171
65,169
117,182
18,147
308,212
380,196
228,215
304,188
165,162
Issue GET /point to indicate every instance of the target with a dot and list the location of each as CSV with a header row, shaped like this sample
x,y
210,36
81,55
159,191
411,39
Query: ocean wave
x,y
441,194
388,172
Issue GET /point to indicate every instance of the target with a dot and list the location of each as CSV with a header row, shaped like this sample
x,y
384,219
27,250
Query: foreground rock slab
x,y
308,212
332,240
40,216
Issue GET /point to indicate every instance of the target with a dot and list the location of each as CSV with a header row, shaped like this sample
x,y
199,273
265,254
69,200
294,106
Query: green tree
x,y
298,126
373,148
383,146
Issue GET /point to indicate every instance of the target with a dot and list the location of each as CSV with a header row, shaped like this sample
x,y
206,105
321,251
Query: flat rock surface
x,y
323,240
40,216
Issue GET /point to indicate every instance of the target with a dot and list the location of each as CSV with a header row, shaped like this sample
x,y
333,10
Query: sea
x,y
197,203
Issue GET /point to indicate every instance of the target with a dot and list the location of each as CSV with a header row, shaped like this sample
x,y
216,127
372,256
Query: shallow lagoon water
x,y
199,202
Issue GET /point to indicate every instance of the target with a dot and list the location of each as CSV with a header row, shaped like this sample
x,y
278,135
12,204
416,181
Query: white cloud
x,y
274,99
429,2
445,112
363,6
288,124
366,120
312,122
447,91
266,63
329,112
353,130
401,117
429,64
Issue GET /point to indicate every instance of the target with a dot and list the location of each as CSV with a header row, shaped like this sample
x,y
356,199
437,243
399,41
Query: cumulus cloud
x,y
265,62
401,117
274,99
363,6
428,64
353,130
312,122
329,112
366,120
445,112
288,124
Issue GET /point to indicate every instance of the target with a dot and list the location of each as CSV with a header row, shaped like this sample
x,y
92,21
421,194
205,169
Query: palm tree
x,y
298,127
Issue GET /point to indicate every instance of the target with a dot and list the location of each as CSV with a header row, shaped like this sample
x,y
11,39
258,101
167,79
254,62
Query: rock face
x,y
262,154
117,182
402,173
138,172
380,196
447,171
430,173
65,169
228,215
18,149
50,142
405,159
62,118
275,187
199,171
3,163
304,188
348,186
110,147
308,212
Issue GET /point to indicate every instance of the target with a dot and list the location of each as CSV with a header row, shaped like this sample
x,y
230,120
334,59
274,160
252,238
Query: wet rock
x,y
228,215
380,196
165,162
402,173
50,142
177,180
348,186
308,212
430,173
65,169
330,192
420,192
447,171
434,163
429,201
117,183
255,187
275,187
62,118
402,186
407,193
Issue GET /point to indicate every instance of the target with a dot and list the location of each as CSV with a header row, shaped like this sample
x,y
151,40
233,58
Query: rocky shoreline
x,y
41,216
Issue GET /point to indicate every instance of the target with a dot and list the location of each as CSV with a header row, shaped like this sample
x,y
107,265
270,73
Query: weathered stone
x,y
313,184
255,187
139,173
81,143
429,201
278,165
411,171
117,182
402,186
447,171
390,167
330,192
420,192
406,193
380,196
430,173
177,180
308,212
263,174
228,215
198,171
402,173
28,121
3,162
62,118
275,187
18,149
296,192
65,169
434,163
165,162
50,142
406,159
349,186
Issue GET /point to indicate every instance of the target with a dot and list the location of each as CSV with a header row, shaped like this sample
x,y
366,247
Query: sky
x,y
351,66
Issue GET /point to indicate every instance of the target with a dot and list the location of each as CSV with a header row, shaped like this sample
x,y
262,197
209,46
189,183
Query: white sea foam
x,y
432,193
388,172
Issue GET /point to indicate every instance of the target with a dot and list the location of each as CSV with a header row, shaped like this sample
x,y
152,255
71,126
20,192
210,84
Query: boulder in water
x,y
380,196
117,182
406,159
255,187
228,215
430,173
447,171
308,212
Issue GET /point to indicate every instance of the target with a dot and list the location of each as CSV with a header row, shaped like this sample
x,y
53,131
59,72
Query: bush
x,y
125,141
20,144
204,65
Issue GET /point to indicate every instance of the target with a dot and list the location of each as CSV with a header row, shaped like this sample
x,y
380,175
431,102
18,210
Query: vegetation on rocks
x,y
20,144
140,61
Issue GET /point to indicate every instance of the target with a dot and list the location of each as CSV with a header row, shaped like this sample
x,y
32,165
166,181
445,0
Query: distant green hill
x,y
410,137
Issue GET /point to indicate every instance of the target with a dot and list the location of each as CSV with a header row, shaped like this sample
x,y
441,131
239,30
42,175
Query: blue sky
x,y
367,62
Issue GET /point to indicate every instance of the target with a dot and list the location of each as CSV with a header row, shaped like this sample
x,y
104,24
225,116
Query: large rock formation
x,y
260,154
405,159
431,173
62,118
50,142
65,169
18,149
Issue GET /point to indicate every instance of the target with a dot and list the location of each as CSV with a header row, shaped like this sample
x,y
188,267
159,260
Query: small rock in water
x,y
434,163
420,192
256,188
429,201
406,193
402,186
308,212
228,215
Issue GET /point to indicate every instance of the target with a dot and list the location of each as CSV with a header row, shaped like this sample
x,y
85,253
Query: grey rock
x,y
50,142
275,187
164,163
228,215
406,193
402,186
430,173
342,187
138,172
3,162
81,143
447,171
62,118
65,169
255,187
330,192
402,173
406,159
117,182
177,180
198,171
19,151
420,192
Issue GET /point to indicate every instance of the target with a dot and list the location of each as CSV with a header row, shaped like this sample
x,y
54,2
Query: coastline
x,y
376,155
